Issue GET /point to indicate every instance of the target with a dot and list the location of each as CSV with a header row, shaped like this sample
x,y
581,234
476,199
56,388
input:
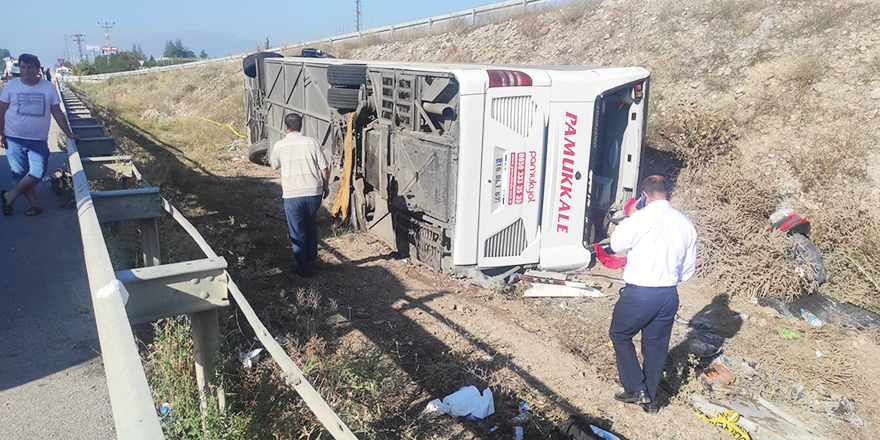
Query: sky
x,y
219,27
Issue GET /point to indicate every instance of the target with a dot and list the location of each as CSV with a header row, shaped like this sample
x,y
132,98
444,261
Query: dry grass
x,y
574,11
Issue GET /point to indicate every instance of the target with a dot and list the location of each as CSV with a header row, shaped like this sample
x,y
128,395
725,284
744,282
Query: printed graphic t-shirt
x,y
28,116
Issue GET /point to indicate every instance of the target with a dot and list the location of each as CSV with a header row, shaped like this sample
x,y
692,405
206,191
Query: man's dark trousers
x,y
302,224
650,310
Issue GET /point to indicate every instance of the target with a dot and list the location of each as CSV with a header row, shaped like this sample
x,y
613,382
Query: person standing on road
x,y
305,178
662,245
25,106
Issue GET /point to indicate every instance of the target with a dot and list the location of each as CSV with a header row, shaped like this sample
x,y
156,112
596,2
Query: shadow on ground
x,y
709,329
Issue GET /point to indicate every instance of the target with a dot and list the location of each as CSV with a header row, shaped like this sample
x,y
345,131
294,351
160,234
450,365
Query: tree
x,y
203,55
84,68
266,46
170,50
121,62
176,49
137,52
3,54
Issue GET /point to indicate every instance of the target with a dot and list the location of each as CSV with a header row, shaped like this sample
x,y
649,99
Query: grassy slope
x,y
791,80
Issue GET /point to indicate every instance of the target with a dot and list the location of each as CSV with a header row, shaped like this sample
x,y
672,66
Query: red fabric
x,y
609,261
630,205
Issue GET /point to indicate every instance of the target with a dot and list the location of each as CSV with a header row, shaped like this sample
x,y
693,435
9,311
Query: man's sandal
x,y
7,208
33,211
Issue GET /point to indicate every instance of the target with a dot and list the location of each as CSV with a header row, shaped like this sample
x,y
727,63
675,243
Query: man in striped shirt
x,y
305,175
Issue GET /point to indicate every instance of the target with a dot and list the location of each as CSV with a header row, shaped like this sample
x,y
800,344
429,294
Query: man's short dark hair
x,y
29,59
655,185
293,122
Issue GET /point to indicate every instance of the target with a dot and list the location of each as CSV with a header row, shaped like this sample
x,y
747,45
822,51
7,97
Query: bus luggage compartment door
x,y
513,173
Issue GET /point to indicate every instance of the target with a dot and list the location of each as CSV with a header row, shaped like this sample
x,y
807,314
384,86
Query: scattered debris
x,y
580,428
466,402
846,411
550,290
758,417
788,334
525,413
603,434
827,309
552,284
727,421
250,358
810,318
716,375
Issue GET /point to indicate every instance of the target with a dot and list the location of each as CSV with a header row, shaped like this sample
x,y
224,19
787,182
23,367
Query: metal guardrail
x,y
157,290
134,413
466,14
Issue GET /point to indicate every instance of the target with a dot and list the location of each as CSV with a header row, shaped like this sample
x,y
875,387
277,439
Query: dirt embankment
x,y
789,89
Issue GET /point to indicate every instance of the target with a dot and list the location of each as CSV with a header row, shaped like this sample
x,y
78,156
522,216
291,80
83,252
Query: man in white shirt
x,y
305,175
662,245
26,105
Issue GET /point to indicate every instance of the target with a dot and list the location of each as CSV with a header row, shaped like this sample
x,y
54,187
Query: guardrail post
x,y
150,241
206,342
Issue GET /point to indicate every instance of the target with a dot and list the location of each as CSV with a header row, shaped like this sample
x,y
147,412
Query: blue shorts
x,y
27,157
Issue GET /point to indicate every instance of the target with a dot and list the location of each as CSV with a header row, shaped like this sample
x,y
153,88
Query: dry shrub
x,y
729,202
530,23
849,237
806,71
698,137
575,10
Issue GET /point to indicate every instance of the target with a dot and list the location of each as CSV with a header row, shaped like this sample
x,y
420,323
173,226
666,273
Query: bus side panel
x,y
568,160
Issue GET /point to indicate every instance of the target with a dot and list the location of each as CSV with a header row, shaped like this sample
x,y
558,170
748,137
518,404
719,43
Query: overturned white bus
x,y
465,165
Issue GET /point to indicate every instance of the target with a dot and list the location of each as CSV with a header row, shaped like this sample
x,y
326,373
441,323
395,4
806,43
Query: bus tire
x,y
249,64
258,153
347,75
343,99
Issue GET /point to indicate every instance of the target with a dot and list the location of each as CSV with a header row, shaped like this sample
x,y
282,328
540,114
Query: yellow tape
x,y
222,125
343,194
727,421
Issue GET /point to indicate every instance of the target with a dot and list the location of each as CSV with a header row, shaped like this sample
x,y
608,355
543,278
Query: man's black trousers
x,y
650,310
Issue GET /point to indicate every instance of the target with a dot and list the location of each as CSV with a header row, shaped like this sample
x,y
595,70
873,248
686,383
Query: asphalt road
x,y
52,383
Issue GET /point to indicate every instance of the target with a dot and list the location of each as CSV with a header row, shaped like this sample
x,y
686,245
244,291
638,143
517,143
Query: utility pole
x,y
357,15
79,42
67,49
107,26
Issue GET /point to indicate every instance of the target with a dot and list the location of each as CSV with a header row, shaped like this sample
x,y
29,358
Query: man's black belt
x,y
645,287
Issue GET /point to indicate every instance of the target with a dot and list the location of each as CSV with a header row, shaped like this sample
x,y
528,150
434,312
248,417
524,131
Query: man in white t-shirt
x,y
26,104
305,175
